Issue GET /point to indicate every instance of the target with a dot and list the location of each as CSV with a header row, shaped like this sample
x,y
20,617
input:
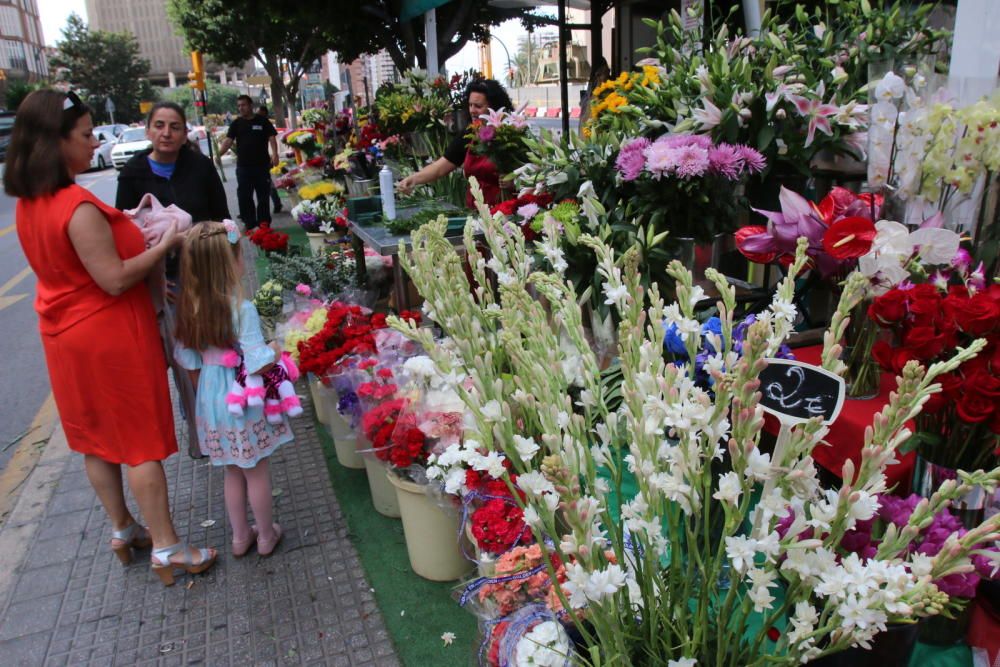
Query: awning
x,y
414,8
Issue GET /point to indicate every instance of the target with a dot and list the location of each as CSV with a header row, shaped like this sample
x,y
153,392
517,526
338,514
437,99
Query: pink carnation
x,y
725,160
753,161
685,140
692,161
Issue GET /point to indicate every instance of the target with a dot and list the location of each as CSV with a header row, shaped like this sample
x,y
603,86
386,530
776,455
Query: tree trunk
x,y
273,69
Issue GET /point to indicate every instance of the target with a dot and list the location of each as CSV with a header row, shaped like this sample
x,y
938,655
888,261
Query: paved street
x,y
64,597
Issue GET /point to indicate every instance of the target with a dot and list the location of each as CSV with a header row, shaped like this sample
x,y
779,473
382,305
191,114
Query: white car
x,y
107,135
132,141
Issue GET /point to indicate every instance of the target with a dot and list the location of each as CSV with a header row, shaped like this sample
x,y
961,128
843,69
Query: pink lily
x,y
817,111
708,116
494,118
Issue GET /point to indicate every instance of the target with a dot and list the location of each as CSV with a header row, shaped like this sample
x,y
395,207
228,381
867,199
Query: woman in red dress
x,y
97,323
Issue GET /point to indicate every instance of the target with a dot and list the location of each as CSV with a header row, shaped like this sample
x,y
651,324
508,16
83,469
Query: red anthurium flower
x,y
849,238
752,241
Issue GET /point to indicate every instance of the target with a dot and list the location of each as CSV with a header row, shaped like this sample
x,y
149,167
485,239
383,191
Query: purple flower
x,y
528,211
660,159
753,161
725,160
962,260
685,140
630,160
487,133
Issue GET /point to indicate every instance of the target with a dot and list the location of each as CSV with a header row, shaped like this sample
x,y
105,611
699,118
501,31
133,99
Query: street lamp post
x,y
510,70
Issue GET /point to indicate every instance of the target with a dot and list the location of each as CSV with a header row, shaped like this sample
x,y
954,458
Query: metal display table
x,y
386,244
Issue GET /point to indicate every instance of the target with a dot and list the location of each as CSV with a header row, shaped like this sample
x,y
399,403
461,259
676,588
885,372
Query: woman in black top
x,y
175,173
172,170
480,97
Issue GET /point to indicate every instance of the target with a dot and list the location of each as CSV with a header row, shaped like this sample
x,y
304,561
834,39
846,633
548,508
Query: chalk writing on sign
x,y
795,392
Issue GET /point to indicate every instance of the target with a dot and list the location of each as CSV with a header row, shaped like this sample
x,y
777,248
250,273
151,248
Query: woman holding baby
x,y
97,322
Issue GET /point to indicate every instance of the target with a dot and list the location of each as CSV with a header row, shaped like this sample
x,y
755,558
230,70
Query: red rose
x,y
974,409
888,309
979,315
951,384
890,358
924,343
924,304
985,384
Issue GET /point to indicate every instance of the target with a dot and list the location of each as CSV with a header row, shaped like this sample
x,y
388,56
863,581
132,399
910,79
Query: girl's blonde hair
x,y
210,288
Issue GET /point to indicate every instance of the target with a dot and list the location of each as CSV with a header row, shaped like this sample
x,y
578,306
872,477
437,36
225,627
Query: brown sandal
x,y
134,536
164,567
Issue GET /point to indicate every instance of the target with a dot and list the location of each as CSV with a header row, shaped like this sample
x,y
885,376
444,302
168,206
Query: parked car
x,y
106,135
132,141
6,125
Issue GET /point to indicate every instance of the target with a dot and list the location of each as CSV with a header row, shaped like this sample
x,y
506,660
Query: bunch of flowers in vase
x,y
685,183
305,141
693,561
347,330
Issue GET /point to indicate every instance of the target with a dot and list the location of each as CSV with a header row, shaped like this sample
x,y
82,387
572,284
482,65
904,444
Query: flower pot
x,y
944,631
891,648
344,439
383,492
863,375
431,533
319,404
317,243
698,257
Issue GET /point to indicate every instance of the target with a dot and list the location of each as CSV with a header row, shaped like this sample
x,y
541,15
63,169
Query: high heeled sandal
x,y
241,547
266,547
133,536
164,567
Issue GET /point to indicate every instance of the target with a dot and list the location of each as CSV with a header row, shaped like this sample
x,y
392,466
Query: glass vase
x,y
863,375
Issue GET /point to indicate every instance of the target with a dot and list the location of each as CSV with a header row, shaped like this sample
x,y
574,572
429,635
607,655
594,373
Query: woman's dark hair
x,y
172,106
496,95
34,165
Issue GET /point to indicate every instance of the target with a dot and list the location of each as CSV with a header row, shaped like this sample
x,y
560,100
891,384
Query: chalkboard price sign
x,y
795,392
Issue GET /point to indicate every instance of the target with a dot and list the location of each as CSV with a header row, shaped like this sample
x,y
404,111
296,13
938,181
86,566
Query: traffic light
x,y
197,76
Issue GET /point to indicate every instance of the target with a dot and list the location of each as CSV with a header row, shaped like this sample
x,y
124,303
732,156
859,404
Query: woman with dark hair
x,y
97,323
174,173
172,170
480,96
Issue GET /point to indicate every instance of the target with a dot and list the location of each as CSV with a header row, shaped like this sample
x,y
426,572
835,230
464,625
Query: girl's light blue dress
x,y
225,438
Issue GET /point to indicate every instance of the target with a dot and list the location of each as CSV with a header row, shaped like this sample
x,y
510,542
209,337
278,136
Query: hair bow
x,y
232,231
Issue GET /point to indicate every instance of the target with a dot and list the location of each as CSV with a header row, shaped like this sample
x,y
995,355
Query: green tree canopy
x,y
101,64
282,38
219,99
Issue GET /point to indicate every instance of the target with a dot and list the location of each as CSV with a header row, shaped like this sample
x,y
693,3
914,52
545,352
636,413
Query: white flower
x,y
936,246
531,517
534,484
545,645
421,366
729,489
891,87
682,662
526,447
761,582
615,295
491,463
758,465
783,309
492,411
603,583
883,116
447,638
740,549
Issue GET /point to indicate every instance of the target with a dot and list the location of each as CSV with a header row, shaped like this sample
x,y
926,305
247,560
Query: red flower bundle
x,y
394,434
509,208
268,239
930,322
497,523
348,330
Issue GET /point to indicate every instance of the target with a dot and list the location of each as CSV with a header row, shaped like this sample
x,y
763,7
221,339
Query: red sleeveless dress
x,y
105,358
488,177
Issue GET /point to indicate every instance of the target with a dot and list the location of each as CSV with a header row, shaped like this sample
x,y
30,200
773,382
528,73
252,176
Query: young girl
x,y
213,320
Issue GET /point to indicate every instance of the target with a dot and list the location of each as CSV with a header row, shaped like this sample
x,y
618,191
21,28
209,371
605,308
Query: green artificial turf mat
x,y
416,611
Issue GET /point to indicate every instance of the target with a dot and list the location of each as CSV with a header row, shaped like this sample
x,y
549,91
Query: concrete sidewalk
x,y
66,600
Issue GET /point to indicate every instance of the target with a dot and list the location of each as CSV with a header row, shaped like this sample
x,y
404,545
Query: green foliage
x,y
17,90
99,65
329,275
219,98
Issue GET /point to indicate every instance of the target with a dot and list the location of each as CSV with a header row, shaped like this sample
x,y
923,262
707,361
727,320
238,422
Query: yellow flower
x,y
650,76
614,101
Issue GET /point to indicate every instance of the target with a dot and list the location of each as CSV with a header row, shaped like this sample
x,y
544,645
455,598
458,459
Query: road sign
x,y
144,107
261,80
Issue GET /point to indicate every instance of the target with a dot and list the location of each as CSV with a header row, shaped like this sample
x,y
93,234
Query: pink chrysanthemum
x,y
692,161
661,159
630,160
725,161
685,140
753,161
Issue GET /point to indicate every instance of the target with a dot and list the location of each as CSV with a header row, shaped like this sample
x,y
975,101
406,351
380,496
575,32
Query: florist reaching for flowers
x,y
482,96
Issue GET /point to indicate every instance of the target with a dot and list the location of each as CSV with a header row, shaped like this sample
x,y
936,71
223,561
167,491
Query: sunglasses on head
x,y
73,101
